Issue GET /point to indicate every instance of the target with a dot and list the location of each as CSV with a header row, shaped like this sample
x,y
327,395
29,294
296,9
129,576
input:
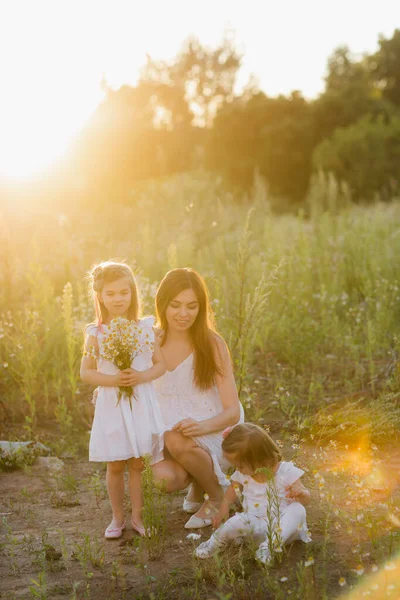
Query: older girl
x,y
123,431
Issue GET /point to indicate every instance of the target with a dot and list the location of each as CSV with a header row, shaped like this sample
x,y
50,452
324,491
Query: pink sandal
x,y
113,533
140,530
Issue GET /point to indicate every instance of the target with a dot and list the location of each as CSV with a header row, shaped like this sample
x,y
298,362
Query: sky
x,y
53,54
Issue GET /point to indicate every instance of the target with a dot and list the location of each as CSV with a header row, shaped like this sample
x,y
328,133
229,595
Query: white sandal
x,y
197,523
190,506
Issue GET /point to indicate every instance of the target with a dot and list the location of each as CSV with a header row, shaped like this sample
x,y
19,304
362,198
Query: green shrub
x,y
365,155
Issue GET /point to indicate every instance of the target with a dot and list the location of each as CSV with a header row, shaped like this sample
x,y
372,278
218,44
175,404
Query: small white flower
x,y
309,562
283,579
5,365
342,582
359,570
374,568
193,536
390,567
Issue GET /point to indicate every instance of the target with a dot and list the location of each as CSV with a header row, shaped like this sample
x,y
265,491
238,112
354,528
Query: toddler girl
x,y
272,496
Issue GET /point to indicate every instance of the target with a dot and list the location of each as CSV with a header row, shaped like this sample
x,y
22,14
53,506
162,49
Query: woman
x,y
197,395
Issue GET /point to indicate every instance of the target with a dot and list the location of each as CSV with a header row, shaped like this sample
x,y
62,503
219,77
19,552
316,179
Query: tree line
x,y
185,114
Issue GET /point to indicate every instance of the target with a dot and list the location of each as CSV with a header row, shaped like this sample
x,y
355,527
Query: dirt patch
x,y
53,524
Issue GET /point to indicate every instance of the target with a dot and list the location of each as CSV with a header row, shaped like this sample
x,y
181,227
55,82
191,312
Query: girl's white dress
x,y
119,433
180,399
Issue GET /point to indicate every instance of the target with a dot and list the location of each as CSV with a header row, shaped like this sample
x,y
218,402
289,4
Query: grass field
x,y
309,305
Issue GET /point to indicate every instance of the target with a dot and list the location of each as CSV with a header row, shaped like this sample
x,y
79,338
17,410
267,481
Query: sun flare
x,y
35,134
49,86
55,54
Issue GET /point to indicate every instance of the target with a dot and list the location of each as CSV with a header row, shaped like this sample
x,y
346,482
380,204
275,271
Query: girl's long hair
x,y
107,272
203,333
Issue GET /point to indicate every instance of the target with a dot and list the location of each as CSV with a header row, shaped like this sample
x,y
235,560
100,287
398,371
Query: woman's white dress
x,y
119,432
180,399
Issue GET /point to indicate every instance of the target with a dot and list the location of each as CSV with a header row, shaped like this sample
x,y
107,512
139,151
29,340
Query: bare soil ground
x,y
53,524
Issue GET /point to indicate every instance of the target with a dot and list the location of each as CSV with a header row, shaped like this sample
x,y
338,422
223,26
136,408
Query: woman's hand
x,y
191,428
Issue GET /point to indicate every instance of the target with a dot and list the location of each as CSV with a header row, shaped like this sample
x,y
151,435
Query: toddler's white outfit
x,y
269,519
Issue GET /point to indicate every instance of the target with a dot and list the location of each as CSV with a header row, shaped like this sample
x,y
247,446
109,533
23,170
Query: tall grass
x,y
307,302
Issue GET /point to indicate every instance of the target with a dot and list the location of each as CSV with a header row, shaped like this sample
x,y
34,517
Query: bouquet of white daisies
x,y
121,343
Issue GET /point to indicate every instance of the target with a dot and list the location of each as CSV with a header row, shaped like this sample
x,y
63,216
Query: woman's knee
x,y
171,475
176,443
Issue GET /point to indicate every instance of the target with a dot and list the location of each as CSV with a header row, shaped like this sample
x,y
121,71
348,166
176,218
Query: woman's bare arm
x,y
226,385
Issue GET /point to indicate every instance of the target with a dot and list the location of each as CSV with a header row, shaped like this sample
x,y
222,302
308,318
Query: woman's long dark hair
x,y
203,333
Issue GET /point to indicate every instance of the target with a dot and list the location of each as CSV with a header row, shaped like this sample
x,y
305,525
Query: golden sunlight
x,y
32,143
380,582
57,52
49,86
36,127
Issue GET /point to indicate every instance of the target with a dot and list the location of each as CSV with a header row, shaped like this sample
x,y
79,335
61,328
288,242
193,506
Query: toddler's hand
x,y
296,491
222,515
290,494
